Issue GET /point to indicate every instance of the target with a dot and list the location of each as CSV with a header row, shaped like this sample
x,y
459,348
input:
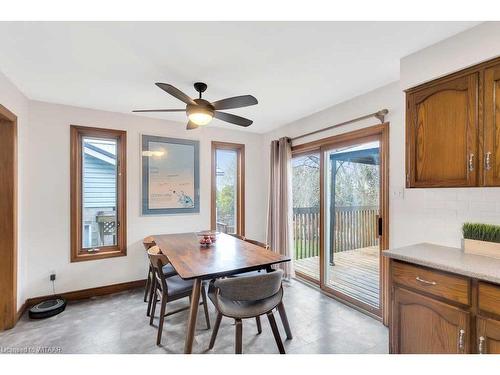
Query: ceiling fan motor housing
x,y
202,106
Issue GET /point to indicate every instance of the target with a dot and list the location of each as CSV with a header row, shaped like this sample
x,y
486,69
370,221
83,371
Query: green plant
x,y
481,232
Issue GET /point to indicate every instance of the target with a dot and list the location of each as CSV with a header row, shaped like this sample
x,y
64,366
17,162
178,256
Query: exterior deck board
x,y
355,273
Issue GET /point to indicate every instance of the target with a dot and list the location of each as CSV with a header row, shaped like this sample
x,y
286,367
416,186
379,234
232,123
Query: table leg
x,y
193,312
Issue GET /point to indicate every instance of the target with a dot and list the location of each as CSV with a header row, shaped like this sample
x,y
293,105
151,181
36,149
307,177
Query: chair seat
x,y
244,309
168,270
176,286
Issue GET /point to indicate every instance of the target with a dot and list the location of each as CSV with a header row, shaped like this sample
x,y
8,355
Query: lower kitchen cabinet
x,y
425,325
436,312
488,336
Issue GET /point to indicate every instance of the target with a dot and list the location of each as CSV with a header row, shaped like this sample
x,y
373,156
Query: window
x,y
98,193
228,188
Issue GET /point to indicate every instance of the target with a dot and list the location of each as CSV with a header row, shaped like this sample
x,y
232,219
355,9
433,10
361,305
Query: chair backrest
x,y
158,260
250,288
260,244
237,236
148,242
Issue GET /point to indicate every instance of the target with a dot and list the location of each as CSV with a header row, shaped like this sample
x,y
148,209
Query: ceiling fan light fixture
x,y
201,116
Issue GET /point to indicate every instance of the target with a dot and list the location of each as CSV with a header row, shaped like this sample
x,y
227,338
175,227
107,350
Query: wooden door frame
x,y
8,227
377,132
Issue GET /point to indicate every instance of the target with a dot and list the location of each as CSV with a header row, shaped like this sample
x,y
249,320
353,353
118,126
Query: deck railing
x,y
355,227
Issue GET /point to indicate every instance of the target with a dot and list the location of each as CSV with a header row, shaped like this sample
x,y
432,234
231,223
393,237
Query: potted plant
x,y
481,239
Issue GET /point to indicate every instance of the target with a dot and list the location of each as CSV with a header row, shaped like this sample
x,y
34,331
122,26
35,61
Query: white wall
x,y
470,47
432,215
17,103
46,195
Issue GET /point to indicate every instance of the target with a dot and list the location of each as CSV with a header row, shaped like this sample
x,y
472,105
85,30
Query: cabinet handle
x,y
481,344
471,162
425,281
487,161
461,335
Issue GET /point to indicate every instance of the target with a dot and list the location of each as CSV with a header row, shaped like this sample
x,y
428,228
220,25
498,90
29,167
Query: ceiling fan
x,y
200,111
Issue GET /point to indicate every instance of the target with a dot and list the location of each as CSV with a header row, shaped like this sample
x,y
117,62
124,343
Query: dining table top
x,y
228,255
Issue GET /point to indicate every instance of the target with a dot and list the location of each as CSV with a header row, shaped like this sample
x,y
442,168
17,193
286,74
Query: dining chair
x,y
168,271
247,297
168,289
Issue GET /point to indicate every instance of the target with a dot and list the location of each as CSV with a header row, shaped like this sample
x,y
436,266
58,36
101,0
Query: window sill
x,y
84,256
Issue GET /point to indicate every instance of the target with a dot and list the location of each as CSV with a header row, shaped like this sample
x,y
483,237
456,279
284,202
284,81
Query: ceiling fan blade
x,y
159,110
233,119
174,91
191,125
235,102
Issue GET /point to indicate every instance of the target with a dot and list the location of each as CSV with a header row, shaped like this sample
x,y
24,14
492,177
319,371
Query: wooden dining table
x,y
227,256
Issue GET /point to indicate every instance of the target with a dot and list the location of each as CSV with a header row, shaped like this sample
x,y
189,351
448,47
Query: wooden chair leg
x,y
276,333
284,320
205,305
259,326
239,336
148,284
152,288
153,309
215,331
162,318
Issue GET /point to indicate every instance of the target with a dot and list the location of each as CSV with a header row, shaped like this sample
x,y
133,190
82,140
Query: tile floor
x,y
118,324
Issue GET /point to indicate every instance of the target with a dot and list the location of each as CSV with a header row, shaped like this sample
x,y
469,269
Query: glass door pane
x,y
227,190
306,224
352,254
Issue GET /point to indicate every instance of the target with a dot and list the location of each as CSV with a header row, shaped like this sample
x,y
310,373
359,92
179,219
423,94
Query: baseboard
x,y
84,294
21,311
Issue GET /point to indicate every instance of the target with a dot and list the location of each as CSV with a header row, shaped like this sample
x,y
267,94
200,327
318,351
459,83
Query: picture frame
x,y
170,175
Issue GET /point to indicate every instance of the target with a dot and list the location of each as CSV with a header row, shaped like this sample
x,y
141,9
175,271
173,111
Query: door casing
x,y
8,219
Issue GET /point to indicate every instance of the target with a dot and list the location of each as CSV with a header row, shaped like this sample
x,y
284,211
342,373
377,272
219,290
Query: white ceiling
x,y
293,68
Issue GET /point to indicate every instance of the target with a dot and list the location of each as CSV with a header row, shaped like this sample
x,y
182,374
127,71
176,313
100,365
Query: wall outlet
x,y
52,276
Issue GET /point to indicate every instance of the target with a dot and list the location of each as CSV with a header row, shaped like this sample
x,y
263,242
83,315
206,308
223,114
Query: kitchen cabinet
x,y
453,129
492,126
442,134
440,312
488,336
425,325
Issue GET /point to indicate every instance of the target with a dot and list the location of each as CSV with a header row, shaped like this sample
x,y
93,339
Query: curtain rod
x,y
379,115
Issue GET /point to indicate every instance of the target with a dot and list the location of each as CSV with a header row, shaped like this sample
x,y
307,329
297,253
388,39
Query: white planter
x,y
484,248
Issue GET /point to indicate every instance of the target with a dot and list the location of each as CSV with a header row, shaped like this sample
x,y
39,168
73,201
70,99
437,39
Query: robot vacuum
x,y
47,308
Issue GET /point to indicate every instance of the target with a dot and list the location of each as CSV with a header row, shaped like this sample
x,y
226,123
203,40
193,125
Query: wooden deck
x,y
355,273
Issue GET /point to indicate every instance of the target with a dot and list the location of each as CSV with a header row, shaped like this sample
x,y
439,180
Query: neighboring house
x,y
99,192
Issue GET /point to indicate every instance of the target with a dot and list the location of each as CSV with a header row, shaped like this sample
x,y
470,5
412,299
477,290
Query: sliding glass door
x,y
306,221
340,207
352,198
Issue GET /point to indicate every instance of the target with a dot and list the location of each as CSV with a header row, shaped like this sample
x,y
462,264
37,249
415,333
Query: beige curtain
x,y
279,217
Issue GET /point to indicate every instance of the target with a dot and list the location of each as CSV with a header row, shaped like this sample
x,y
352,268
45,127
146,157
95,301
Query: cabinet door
x,y
488,336
423,325
492,126
442,133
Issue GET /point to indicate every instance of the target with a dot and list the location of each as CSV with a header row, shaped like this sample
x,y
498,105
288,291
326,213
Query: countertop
x,y
449,259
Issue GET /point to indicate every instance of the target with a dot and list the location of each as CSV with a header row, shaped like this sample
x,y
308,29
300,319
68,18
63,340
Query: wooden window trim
x,y
77,254
240,189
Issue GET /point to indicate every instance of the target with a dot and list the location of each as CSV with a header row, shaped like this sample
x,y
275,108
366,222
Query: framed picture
x,y
170,175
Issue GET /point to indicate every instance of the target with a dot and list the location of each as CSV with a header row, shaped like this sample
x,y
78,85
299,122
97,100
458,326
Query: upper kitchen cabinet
x,y
492,126
453,129
442,133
